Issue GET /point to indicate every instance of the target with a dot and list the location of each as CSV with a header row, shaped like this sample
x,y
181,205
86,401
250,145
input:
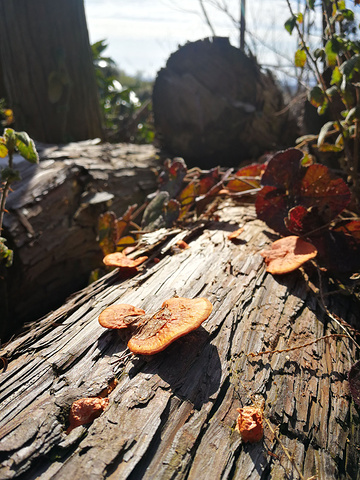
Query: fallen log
x,y
214,105
172,415
52,219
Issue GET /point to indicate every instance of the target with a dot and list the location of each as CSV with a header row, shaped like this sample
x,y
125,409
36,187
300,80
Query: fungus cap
x,y
85,410
115,315
118,259
177,317
288,254
250,424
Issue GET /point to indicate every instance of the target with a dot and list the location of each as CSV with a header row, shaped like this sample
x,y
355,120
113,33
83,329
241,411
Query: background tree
x,y
47,70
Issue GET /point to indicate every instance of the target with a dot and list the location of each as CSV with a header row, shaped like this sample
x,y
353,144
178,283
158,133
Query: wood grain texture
x,y
52,224
172,415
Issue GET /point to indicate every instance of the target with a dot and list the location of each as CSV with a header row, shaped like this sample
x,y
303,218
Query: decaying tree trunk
x,y
172,415
52,223
212,104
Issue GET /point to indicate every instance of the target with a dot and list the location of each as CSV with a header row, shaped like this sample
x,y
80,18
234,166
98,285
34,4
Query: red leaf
x,y
283,169
246,178
289,184
320,188
271,207
350,228
171,178
209,180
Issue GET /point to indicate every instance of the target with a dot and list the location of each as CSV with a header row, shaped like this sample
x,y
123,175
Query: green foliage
x,y
6,113
341,99
126,109
6,255
12,142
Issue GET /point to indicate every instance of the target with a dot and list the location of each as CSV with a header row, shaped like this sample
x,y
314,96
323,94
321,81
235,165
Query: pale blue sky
x,y
143,33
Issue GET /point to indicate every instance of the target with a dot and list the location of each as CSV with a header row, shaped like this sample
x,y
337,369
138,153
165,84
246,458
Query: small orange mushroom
x,y
182,244
250,423
85,410
119,316
153,333
126,264
288,254
234,235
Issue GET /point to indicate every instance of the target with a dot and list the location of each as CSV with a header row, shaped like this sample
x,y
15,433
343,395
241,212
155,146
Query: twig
x,y
328,313
331,335
207,18
286,451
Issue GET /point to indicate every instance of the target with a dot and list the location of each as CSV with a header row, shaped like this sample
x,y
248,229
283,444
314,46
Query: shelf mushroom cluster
x,y
152,333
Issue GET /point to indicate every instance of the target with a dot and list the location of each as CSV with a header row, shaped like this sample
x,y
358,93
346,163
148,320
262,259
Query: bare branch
x,y
207,18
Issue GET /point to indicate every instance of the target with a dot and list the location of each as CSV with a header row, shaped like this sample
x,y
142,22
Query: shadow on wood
x,y
172,415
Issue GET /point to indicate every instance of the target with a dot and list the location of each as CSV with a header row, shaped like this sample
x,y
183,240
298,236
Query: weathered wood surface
x,y
212,101
172,415
53,217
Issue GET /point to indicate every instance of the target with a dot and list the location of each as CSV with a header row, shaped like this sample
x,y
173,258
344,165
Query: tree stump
x,y
52,222
172,415
213,105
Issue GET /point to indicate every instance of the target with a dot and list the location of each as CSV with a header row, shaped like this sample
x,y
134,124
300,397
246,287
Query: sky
x,y
142,34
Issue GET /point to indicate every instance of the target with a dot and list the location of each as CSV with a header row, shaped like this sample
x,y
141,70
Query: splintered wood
x,y
173,414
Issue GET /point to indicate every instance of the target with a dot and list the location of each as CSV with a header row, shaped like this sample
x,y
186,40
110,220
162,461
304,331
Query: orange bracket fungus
x,y
250,423
126,265
152,333
182,244
288,254
85,410
234,235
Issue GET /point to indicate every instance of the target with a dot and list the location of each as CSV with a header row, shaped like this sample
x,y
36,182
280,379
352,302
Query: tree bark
x,y
172,415
52,220
47,70
214,105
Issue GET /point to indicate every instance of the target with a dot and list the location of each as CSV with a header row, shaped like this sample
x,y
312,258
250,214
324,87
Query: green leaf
x,y
3,148
329,147
319,54
339,142
26,147
350,65
311,4
316,96
5,253
153,214
346,14
323,133
330,92
331,51
23,137
290,24
354,114
300,58
10,139
336,76
322,108
299,17
10,175
106,228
